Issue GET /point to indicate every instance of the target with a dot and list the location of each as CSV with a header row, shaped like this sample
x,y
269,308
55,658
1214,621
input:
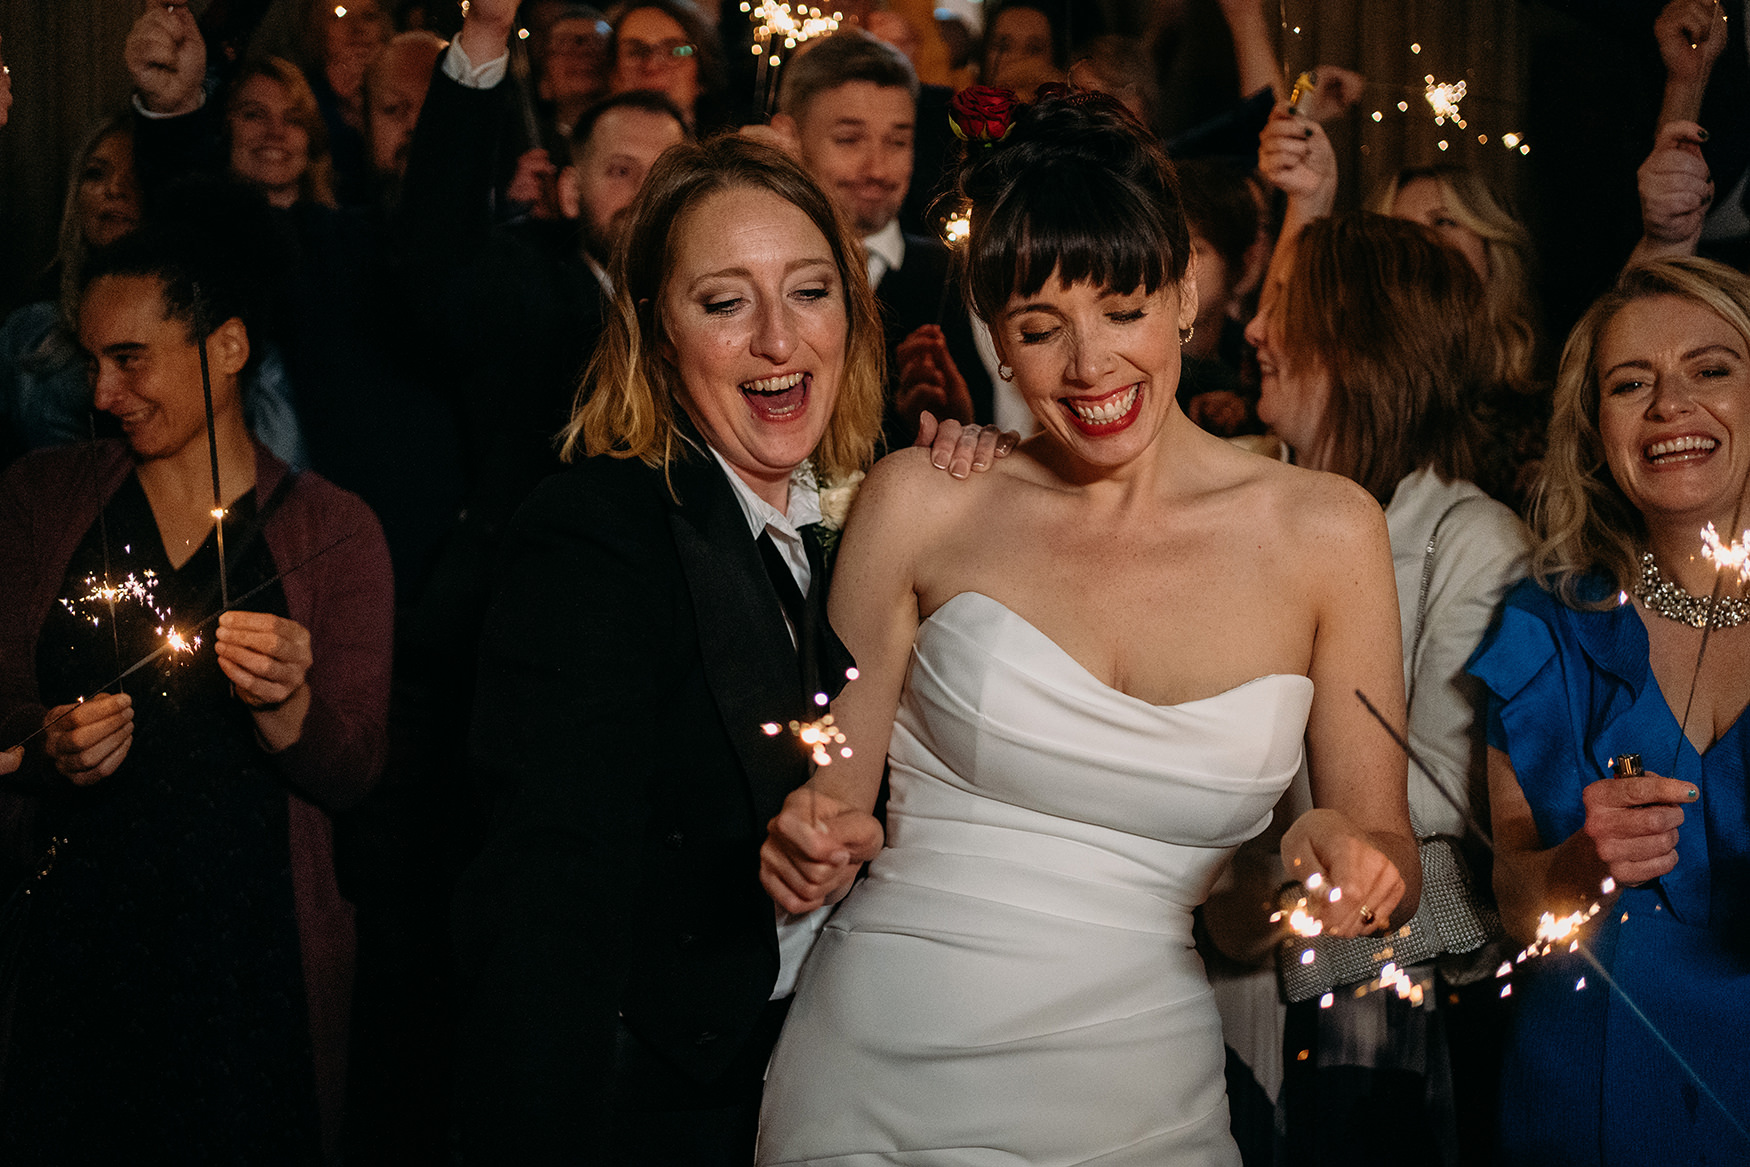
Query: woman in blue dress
x,y
1631,1048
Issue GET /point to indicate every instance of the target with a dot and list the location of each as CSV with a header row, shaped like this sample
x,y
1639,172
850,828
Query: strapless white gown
x,y
1015,982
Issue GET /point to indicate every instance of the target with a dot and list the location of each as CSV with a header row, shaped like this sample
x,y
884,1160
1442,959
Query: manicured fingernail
x,y
1693,794
1306,133
938,465
1701,135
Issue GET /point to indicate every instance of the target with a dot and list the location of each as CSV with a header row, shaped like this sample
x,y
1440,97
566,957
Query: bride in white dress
x,y
1097,665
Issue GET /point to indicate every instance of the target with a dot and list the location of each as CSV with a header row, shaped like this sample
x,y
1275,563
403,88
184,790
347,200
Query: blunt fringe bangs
x,y
1078,190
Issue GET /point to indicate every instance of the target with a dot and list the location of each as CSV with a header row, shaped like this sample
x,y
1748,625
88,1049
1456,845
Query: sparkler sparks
x,y
959,225
138,589
179,643
1727,556
1443,98
820,736
779,25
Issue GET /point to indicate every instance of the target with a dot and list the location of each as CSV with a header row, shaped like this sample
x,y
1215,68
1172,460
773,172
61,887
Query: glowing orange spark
x,y
1733,556
1443,97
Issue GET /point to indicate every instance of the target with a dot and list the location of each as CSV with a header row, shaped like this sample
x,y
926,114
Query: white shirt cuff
x,y
458,68
140,108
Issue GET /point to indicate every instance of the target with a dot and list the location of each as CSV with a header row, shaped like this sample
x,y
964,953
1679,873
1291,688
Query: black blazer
x,y
635,649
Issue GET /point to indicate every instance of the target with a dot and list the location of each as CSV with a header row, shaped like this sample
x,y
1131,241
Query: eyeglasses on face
x,y
644,53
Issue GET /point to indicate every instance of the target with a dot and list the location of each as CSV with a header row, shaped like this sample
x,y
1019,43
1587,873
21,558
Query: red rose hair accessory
x,y
982,114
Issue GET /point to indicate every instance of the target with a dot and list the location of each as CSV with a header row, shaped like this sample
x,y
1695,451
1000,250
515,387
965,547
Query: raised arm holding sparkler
x,y
1630,639
1675,183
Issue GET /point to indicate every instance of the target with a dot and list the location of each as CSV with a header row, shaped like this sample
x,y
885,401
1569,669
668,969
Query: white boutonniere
x,y
836,499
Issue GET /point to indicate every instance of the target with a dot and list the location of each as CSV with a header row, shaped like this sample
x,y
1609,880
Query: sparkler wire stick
x,y
1683,1065
1578,945
1403,744
103,537
168,645
523,73
1706,629
218,498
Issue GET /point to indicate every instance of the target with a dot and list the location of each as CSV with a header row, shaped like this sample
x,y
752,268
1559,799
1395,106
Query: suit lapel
x,y
750,664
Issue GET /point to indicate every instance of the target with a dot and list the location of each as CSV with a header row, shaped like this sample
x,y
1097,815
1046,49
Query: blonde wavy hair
x,y
628,400
1585,525
1513,313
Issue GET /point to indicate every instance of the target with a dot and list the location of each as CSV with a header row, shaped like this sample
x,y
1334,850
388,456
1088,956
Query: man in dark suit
x,y
848,109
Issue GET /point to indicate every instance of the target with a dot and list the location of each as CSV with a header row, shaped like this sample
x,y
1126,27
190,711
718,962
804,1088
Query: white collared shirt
x,y
463,71
796,934
884,251
785,529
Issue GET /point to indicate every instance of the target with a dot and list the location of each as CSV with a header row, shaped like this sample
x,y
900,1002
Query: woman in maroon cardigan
x,y
184,979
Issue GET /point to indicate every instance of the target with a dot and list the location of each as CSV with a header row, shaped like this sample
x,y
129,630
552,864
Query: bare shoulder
x,y
1314,512
906,488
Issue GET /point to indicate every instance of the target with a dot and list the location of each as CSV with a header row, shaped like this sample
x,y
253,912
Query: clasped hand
x,y
814,848
1633,823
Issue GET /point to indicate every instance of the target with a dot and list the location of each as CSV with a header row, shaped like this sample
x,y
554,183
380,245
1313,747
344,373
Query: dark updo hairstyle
x,y
1078,188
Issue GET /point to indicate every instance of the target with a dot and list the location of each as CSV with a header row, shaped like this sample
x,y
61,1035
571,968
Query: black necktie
x,y
804,611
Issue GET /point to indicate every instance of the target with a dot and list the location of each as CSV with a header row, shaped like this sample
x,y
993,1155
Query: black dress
x,y
160,1011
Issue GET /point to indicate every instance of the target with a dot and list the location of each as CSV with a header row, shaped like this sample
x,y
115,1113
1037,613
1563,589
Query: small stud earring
x,y
1008,374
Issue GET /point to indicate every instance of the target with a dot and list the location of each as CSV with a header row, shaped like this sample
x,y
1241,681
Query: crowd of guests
x,y
424,470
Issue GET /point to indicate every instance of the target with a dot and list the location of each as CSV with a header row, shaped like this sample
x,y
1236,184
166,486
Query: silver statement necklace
x,y
1664,598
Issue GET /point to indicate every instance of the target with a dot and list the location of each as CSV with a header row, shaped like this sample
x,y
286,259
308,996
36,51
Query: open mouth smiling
x,y
1673,451
778,398
1097,416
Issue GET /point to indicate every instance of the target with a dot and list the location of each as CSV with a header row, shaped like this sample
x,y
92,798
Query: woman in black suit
x,y
623,973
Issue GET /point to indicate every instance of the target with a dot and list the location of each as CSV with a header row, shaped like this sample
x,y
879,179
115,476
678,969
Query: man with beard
x,y
395,87
612,148
848,111
516,306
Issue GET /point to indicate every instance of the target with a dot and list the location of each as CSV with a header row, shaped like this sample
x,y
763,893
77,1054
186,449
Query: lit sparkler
x,y
167,646
778,28
956,229
820,736
1443,98
177,642
1727,556
958,226
139,589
